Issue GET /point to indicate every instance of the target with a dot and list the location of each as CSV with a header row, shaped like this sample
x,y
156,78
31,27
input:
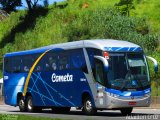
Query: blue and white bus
x,y
90,74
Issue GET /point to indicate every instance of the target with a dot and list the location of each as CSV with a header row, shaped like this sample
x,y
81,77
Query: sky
x,y
24,5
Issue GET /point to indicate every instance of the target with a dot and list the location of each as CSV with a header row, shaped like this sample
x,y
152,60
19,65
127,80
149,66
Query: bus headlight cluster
x,y
112,94
147,94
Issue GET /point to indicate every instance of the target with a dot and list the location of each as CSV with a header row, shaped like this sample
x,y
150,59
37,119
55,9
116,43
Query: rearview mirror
x,y
155,63
104,60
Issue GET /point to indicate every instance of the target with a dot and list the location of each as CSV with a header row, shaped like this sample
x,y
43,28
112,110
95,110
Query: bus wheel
x,y
88,106
30,106
126,111
22,105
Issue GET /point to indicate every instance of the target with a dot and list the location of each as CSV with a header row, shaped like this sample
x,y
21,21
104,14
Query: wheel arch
x,y
19,95
28,94
87,94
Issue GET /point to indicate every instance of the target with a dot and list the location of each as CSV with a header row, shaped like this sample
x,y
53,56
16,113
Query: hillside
x,y
150,10
81,19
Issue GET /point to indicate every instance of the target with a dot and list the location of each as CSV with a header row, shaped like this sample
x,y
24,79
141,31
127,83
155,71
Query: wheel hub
x,y
88,105
21,103
29,104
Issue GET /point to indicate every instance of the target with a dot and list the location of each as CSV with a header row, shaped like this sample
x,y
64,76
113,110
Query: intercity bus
x,y
90,74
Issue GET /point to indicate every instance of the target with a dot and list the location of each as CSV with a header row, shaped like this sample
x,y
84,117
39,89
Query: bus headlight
x,y
112,94
147,94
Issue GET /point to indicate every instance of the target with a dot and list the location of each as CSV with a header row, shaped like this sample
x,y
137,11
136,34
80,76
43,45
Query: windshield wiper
x,y
138,81
123,86
130,77
127,77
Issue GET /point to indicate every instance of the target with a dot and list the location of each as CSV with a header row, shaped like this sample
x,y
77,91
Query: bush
x,y
109,23
155,78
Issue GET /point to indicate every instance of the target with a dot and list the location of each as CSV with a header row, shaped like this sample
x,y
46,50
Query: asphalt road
x,y
143,114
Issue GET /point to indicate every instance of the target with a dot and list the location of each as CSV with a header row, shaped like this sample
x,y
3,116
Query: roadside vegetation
x,y
24,117
84,19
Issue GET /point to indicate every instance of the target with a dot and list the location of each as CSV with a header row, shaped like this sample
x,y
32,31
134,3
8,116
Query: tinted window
x,y
63,61
7,65
91,53
16,64
40,64
78,60
99,72
50,62
27,62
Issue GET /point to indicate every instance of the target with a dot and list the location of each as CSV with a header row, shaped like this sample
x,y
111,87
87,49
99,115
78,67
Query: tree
x,y
10,5
45,3
32,4
125,6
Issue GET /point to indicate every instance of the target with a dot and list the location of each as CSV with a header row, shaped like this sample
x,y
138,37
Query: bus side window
x,y
16,64
27,63
8,65
39,66
50,62
78,60
63,61
99,72
91,53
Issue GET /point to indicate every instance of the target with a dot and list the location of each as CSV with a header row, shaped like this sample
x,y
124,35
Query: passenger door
x,y
99,75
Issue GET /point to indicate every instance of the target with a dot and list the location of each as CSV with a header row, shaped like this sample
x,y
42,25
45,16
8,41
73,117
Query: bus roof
x,y
102,44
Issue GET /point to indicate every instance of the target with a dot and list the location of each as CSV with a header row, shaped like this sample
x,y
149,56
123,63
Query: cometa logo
x,y
62,78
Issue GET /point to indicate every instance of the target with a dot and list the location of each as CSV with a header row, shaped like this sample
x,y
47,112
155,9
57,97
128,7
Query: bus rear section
x,y
54,80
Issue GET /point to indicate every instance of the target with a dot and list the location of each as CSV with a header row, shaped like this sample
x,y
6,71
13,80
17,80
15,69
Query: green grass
x,y
24,117
149,9
143,8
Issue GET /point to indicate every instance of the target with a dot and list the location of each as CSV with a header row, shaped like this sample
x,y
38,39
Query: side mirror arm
x,y
105,62
155,63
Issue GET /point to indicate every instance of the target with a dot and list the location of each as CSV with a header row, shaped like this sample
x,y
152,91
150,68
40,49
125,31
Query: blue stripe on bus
x,y
128,93
123,49
47,86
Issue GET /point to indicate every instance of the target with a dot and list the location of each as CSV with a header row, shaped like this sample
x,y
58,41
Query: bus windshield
x,y
128,71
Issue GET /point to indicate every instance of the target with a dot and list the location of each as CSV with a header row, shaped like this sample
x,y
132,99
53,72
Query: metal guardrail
x,y
155,100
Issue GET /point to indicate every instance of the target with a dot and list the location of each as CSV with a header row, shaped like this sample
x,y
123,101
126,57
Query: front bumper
x,y
113,102
110,102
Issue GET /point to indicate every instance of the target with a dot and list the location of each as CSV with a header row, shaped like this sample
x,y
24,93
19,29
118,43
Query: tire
x,y
126,111
88,108
22,104
30,107
63,110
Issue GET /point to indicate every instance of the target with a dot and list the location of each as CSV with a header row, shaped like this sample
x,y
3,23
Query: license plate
x,y
132,103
